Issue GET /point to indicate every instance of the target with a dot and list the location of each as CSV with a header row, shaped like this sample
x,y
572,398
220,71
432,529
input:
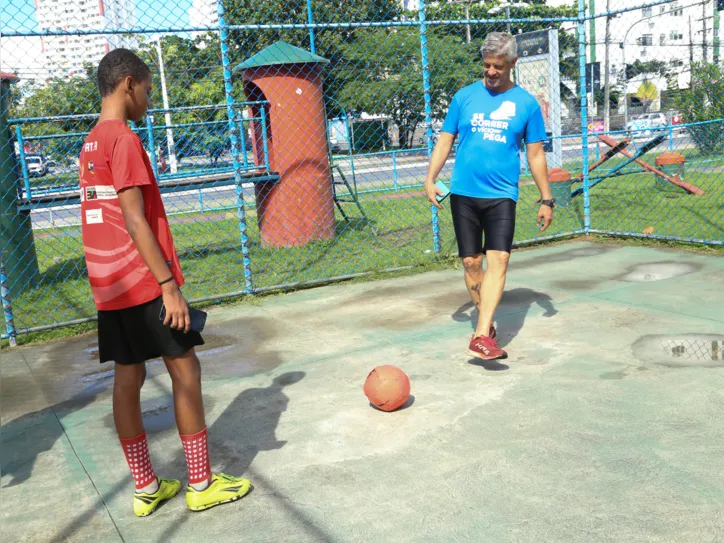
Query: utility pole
x,y
691,44
606,74
167,113
467,18
703,22
507,5
715,56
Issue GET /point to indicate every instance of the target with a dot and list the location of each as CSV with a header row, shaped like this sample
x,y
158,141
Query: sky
x,y
20,14
23,55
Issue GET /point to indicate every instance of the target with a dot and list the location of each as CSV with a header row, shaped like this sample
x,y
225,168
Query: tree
x,y
391,83
704,101
73,96
613,99
653,67
193,77
59,97
194,74
328,42
245,43
567,42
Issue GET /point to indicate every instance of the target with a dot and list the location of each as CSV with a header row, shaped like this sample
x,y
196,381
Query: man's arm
x,y
437,161
539,168
131,201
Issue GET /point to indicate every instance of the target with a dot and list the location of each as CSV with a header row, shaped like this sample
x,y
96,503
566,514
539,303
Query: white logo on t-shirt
x,y
505,112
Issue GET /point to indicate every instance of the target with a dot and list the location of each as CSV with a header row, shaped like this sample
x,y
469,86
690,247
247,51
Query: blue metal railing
x,y
33,187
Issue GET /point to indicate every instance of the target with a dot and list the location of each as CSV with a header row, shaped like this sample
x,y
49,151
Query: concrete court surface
x,y
606,422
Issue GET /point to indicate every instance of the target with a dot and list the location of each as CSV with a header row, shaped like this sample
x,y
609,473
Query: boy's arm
x,y
177,310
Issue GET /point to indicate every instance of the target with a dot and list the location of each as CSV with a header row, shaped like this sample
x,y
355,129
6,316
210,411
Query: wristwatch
x,y
550,203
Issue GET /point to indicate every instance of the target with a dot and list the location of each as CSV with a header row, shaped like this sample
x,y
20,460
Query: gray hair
x,y
497,44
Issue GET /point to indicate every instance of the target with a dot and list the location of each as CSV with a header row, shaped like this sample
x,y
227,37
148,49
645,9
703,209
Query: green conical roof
x,y
280,53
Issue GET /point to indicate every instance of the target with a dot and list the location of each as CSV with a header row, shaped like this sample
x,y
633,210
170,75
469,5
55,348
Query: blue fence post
x,y
7,307
671,138
310,20
394,169
152,146
428,113
228,90
584,113
23,162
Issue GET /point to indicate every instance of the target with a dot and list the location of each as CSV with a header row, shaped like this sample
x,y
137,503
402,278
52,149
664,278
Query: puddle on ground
x,y
237,348
637,273
658,271
681,350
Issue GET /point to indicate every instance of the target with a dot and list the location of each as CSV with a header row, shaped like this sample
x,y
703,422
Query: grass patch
x,y
209,245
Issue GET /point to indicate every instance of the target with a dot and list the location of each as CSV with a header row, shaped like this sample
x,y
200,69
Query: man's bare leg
x,y
491,292
474,277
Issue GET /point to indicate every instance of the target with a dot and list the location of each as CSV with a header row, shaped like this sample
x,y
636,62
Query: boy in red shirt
x,y
134,272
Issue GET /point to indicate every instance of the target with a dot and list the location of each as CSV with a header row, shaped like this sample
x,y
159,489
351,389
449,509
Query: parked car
x,y
37,166
647,123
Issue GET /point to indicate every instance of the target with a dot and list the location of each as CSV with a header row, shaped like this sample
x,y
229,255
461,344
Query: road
x,y
371,173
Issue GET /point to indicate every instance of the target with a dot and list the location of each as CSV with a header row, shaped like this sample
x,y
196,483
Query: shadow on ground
x,y
245,428
513,310
38,431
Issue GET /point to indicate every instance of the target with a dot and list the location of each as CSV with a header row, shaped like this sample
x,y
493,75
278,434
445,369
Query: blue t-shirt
x,y
490,127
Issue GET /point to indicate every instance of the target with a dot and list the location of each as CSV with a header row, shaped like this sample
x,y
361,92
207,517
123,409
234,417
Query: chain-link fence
x,y
290,138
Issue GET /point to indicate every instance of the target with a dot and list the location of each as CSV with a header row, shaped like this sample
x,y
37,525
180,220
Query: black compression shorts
x,y
473,217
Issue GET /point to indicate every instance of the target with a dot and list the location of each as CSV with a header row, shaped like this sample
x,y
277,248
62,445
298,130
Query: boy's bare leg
x,y
206,489
188,403
127,416
127,399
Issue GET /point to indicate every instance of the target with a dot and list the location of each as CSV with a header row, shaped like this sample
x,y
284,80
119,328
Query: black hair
x,y
116,66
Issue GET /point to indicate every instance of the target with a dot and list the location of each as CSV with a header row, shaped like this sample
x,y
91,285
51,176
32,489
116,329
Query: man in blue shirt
x,y
491,119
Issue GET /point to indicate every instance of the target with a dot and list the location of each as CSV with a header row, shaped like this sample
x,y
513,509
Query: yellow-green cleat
x,y
145,504
221,489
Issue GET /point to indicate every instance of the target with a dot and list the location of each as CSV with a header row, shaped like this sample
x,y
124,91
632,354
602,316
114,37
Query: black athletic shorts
x,y
136,334
473,217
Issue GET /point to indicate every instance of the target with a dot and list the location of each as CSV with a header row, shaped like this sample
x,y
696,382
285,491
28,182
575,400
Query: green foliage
x,y
376,70
653,67
614,96
704,101
390,60
74,96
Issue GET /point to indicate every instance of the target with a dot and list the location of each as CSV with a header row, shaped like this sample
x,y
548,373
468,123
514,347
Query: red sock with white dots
x,y
196,450
136,451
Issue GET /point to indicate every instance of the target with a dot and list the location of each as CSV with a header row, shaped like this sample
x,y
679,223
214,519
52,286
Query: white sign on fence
x,y
537,71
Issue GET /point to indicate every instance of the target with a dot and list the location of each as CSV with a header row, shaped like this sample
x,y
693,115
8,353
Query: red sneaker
x,y
493,333
486,348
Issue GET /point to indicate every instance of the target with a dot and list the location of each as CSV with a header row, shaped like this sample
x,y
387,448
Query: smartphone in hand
x,y
444,189
198,318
